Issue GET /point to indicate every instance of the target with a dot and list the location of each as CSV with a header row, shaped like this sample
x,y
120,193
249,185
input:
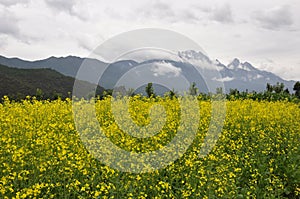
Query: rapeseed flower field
x,y
256,156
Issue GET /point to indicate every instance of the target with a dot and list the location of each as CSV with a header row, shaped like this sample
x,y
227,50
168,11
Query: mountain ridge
x,y
46,83
235,75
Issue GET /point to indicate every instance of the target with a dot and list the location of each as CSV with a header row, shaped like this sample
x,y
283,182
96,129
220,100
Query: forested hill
x,y
43,83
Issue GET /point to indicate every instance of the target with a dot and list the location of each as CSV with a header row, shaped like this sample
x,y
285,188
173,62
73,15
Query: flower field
x,y
256,156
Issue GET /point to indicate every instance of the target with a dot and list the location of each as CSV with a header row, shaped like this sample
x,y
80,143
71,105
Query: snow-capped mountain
x,y
237,65
192,55
236,75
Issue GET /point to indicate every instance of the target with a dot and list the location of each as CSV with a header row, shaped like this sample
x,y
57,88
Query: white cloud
x,y
61,5
288,70
222,14
70,7
156,10
145,54
275,18
13,2
34,29
164,68
8,23
88,41
224,79
258,76
3,41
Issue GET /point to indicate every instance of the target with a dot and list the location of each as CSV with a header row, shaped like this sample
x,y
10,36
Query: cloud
x,y
189,17
206,14
88,41
13,2
8,23
12,27
225,30
163,68
62,5
289,70
224,79
275,18
144,54
222,14
162,11
74,8
157,10
3,41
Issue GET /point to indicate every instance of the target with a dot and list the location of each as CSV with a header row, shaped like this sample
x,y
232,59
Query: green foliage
x,y
273,93
150,90
49,84
172,94
269,88
297,89
278,88
39,94
42,83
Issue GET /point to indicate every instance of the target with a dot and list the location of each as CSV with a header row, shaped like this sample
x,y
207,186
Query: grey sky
x,y
265,32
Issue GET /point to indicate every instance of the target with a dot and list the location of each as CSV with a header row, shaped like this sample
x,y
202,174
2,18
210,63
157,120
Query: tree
x,y
39,94
286,91
193,90
56,95
278,88
297,89
106,93
234,92
172,93
269,88
149,90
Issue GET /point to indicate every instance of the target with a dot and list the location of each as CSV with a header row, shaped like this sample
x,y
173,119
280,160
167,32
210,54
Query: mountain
x,y
70,65
65,65
18,83
240,75
244,76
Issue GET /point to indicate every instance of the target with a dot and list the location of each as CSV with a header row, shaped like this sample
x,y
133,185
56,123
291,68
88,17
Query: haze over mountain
x,y
236,75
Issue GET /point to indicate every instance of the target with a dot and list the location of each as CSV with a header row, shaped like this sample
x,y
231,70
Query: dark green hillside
x,y
43,83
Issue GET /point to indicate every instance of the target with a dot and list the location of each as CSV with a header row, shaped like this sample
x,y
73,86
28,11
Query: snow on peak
x,y
236,64
217,62
193,55
198,59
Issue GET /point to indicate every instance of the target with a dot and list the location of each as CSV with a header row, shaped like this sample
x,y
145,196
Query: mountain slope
x,y
65,65
245,76
18,83
242,76
235,75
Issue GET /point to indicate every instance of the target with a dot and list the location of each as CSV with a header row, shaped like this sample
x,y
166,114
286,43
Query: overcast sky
x,y
265,33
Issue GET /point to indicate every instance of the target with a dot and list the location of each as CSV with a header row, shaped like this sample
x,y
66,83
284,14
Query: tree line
x,y
275,92
272,93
